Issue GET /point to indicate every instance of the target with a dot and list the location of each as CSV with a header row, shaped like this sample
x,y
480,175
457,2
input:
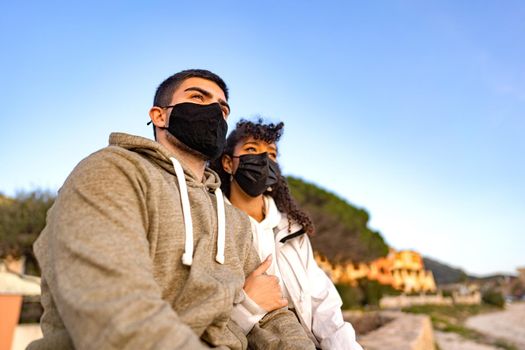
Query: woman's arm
x,y
328,325
278,329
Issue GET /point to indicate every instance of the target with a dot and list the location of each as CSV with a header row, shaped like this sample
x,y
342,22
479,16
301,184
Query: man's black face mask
x,y
256,172
200,127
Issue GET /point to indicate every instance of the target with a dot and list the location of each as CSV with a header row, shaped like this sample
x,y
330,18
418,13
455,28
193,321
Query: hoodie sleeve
x,y
94,254
278,329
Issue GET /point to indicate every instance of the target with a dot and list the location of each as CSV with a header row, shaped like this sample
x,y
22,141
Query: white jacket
x,y
312,294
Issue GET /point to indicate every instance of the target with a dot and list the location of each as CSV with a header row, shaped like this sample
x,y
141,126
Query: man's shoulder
x,y
109,164
110,156
124,147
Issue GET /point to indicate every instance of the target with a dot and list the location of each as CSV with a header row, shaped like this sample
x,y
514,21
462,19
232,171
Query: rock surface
x,y
508,325
453,341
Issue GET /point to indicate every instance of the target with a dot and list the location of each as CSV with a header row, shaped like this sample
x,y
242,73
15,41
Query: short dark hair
x,y
166,89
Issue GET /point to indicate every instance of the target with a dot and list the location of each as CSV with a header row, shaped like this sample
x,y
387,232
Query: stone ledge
x,y
404,332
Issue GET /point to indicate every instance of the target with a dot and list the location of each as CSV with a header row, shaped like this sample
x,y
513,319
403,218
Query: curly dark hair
x,y
271,133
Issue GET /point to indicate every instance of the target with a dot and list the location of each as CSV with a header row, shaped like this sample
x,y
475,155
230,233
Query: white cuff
x,y
247,313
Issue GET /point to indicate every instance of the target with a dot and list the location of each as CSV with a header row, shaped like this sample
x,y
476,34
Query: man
x,y
140,251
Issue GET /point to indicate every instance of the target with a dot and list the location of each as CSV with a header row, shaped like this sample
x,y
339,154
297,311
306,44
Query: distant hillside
x,y
443,273
342,231
490,278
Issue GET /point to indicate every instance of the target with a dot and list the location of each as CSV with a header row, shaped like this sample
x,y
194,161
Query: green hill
x,y
342,231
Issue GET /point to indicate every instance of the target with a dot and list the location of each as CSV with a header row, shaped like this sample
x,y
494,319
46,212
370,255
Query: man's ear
x,y
158,116
227,164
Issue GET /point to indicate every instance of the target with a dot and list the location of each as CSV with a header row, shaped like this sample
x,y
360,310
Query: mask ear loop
x,y
231,174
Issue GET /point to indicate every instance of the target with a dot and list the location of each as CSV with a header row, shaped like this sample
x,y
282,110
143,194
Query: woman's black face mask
x,y
200,127
255,173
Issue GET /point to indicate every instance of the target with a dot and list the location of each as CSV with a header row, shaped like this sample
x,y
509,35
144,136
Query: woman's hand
x,y
265,289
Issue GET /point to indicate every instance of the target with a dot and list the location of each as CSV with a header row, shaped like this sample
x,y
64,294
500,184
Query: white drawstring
x,y
187,257
221,226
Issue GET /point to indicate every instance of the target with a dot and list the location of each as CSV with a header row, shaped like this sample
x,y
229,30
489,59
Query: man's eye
x,y
273,156
251,149
198,97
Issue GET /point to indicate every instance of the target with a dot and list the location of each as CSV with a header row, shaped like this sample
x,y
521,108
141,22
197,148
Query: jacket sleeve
x,y
278,329
95,257
247,313
328,325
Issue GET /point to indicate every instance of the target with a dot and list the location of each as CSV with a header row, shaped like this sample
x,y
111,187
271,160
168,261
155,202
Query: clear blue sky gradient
x,y
412,110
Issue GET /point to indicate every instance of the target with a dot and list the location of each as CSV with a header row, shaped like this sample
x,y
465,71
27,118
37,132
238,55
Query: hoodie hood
x,y
185,177
160,155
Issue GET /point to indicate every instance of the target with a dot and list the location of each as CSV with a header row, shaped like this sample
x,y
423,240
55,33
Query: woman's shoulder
x,y
289,230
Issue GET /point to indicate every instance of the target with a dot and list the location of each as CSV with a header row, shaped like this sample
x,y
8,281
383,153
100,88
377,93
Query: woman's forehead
x,y
252,140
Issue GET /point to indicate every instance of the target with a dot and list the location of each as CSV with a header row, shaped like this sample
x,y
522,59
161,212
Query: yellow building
x,y
403,270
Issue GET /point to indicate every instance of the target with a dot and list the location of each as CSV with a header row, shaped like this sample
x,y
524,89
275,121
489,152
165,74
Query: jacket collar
x,y
284,233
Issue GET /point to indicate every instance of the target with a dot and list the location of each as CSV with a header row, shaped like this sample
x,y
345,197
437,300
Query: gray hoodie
x,y
132,257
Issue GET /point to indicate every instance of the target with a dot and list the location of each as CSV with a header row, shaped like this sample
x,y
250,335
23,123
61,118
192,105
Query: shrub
x,y
372,291
493,297
352,296
447,294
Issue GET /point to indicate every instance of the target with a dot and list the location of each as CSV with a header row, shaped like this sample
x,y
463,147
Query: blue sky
x,y
413,110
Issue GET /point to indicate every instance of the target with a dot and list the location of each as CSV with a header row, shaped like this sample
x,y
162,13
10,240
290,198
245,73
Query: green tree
x,y
342,231
21,220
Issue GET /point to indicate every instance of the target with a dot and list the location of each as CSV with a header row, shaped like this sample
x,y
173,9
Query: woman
x,y
252,181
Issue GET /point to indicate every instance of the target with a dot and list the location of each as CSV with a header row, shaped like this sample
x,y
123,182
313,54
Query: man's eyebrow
x,y
202,91
208,94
